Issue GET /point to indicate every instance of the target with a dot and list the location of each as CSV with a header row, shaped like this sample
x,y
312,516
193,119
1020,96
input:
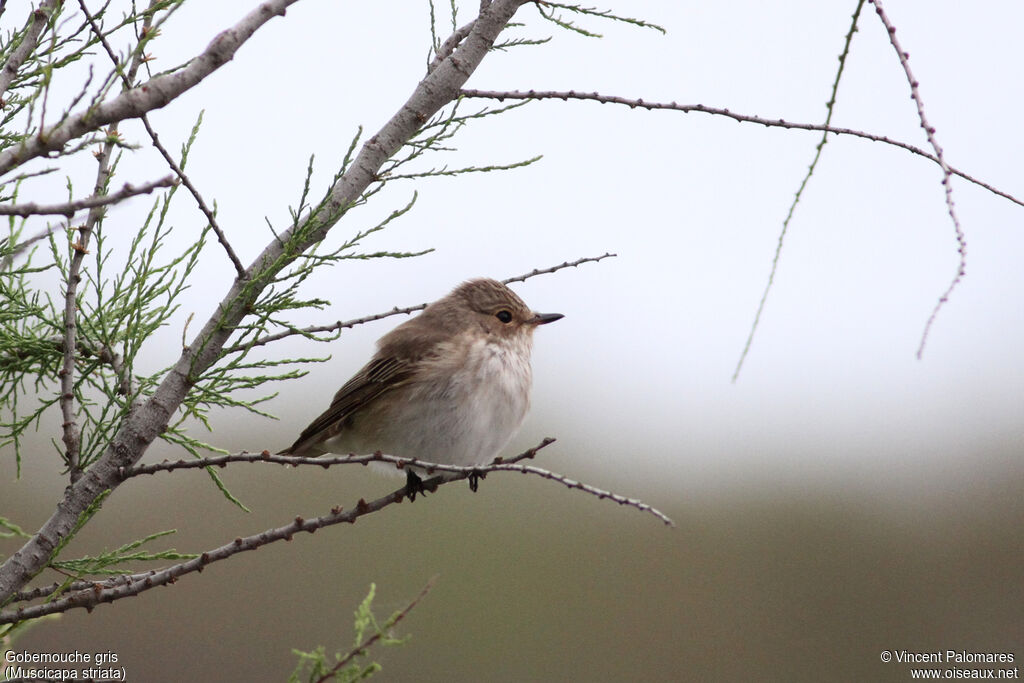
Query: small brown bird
x,y
450,386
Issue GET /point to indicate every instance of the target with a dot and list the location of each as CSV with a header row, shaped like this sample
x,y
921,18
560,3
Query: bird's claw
x,y
414,485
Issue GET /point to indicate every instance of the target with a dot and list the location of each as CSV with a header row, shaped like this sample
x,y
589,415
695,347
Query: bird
x,y
450,386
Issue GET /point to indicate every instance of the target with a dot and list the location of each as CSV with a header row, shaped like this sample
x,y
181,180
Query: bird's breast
x,y
468,411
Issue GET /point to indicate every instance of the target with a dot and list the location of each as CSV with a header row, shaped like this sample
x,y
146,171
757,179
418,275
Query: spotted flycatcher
x,y
450,386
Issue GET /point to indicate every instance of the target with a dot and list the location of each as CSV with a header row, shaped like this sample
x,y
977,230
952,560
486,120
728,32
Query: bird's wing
x,y
380,375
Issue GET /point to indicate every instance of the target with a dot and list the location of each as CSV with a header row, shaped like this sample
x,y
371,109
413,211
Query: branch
x,y
499,465
348,324
151,417
742,118
69,209
127,385
367,643
153,94
88,594
72,434
830,107
947,173
320,461
568,264
40,17
178,171
446,49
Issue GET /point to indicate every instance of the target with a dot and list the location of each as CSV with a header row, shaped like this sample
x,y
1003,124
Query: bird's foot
x,y
474,479
414,485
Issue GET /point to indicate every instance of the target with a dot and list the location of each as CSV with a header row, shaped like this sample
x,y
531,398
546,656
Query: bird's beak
x,y
544,318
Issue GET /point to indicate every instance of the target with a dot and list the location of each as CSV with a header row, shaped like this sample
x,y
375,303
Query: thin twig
x,y
116,588
461,472
69,209
40,17
127,385
88,594
44,591
830,107
168,159
79,585
325,461
448,47
348,324
317,329
71,432
187,182
947,173
22,246
366,644
28,174
153,94
568,264
743,118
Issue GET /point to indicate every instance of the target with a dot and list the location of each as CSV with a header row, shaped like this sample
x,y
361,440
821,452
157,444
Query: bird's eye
x,y
504,316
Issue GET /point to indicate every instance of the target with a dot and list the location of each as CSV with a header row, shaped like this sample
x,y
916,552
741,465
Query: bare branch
x,y
194,191
325,461
499,465
71,433
830,106
28,174
446,49
313,330
153,94
117,588
40,16
501,95
22,246
79,585
178,171
69,209
947,173
568,264
89,594
43,591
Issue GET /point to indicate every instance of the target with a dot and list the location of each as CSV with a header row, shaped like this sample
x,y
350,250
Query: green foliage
x,y
80,523
549,10
317,667
112,562
61,43
119,307
13,530
434,137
